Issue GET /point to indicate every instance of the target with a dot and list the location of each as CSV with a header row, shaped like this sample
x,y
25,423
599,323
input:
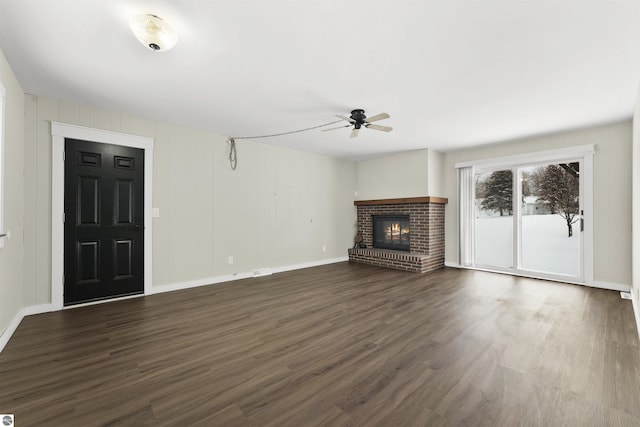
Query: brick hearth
x,y
426,222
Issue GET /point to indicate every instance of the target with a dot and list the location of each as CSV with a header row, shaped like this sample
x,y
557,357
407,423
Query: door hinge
x,y
64,216
64,155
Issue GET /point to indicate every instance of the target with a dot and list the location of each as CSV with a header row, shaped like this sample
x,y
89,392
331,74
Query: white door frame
x,y
60,131
585,154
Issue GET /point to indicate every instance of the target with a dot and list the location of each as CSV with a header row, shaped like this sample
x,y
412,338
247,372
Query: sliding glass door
x,y
527,219
493,204
551,224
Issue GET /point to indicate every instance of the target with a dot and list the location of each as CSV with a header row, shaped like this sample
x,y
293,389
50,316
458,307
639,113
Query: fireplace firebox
x,y
391,232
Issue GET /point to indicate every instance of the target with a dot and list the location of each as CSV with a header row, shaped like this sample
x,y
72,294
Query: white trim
x,y
636,308
100,135
530,158
452,264
516,195
239,276
37,309
583,154
3,113
607,285
593,284
586,198
200,282
60,131
310,264
13,325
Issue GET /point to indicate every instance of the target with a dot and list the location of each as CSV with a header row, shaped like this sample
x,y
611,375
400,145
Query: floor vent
x,y
262,272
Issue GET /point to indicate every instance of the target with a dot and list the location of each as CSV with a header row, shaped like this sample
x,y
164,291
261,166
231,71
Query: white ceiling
x,y
451,74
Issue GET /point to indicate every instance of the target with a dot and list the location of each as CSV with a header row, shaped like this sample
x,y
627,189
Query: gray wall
x,y
407,174
12,254
430,173
612,192
635,290
278,209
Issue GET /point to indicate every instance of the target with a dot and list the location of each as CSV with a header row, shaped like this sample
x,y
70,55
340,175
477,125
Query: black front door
x,y
104,221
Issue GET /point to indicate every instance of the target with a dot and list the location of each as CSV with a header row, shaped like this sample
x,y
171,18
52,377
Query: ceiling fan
x,y
358,119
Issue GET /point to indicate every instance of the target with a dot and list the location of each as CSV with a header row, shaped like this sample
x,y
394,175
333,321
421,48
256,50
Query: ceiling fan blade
x,y
378,127
354,133
339,127
345,118
377,117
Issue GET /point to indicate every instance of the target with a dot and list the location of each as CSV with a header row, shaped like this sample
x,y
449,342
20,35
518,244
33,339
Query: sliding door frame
x,y
466,198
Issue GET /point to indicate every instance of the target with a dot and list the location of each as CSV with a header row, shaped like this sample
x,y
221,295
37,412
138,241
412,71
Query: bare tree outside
x,y
559,187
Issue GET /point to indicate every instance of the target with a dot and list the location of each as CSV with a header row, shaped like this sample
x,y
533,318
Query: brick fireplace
x,y
426,219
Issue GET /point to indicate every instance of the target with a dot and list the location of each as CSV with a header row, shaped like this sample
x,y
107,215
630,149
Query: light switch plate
x,y
155,212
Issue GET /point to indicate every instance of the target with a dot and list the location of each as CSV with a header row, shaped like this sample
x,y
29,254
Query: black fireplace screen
x,y
391,232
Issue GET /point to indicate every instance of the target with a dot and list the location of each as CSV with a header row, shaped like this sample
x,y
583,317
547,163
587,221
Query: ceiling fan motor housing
x,y
359,117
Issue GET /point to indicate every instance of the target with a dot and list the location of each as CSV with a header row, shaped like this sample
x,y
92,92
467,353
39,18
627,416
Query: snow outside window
x,y
509,221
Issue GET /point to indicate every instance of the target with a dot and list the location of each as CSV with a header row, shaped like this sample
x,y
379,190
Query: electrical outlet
x,y
324,248
230,260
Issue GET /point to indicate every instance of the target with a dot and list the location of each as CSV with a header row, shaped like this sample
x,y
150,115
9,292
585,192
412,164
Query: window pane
x,y
494,219
551,229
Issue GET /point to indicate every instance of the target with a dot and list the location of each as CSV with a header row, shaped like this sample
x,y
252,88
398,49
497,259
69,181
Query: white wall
x,y
408,174
12,254
635,283
278,208
435,171
612,192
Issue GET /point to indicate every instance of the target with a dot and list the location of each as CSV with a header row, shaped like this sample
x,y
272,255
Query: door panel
x,y
124,202
104,233
493,220
551,236
88,261
88,200
123,255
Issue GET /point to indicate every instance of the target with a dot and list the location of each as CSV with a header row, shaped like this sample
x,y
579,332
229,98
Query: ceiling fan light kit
x,y
358,119
153,32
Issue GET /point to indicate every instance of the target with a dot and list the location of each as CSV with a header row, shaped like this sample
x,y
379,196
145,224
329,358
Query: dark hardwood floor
x,y
338,345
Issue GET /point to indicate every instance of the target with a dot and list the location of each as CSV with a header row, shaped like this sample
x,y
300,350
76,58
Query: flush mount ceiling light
x,y
153,32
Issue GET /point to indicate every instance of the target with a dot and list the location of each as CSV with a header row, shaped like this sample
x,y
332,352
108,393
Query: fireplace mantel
x,y
426,217
403,201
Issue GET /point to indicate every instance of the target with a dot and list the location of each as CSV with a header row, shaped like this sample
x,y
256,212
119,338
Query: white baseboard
x,y
595,284
310,264
27,311
199,282
245,275
37,309
13,325
636,308
608,285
